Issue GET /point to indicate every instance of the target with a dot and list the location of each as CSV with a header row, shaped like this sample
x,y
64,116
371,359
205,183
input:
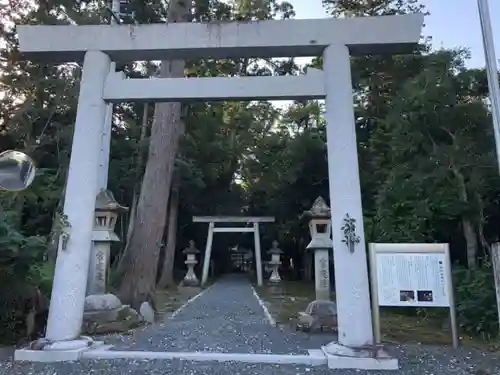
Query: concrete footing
x,y
314,358
372,358
345,359
62,351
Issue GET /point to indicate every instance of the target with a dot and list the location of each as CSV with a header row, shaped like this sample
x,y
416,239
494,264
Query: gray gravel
x,y
226,318
417,361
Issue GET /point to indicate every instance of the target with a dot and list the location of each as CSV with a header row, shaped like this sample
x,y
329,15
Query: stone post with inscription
x,y
321,243
106,214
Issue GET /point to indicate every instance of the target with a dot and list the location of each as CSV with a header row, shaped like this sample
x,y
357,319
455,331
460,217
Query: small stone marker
x,y
147,312
104,313
319,316
101,302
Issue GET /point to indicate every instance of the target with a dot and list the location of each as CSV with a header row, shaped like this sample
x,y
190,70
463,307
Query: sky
x,y
452,23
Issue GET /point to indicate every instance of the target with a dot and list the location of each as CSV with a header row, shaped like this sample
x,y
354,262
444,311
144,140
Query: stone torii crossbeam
x,y
334,39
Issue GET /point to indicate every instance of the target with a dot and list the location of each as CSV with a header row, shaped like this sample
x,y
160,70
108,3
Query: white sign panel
x,y
411,275
409,279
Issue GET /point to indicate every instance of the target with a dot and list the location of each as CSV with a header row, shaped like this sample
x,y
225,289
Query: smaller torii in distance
x,y
212,220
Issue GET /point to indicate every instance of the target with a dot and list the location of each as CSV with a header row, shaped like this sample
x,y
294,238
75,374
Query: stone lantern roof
x,y
191,249
275,249
319,210
106,213
105,201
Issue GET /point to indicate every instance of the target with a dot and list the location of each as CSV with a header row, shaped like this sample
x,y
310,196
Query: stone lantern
x,y
320,314
275,262
106,214
320,227
190,279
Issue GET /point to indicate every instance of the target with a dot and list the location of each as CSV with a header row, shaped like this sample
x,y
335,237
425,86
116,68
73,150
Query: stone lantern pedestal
x,y
321,314
275,263
275,284
190,279
105,216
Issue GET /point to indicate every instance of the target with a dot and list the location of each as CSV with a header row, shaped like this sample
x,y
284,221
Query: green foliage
x,y
21,264
17,249
476,300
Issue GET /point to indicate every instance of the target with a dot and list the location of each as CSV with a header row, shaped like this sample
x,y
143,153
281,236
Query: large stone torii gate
x,y
96,45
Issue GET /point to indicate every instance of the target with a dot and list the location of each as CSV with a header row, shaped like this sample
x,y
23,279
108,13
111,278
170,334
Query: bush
x,y
476,300
21,265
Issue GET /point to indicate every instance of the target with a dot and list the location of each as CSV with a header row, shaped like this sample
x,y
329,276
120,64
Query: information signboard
x,y
411,275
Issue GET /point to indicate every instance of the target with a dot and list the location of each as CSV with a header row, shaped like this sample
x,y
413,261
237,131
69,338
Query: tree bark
x,y
140,161
467,225
55,231
480,225
307,262
471,241
133,209
139,282
167,270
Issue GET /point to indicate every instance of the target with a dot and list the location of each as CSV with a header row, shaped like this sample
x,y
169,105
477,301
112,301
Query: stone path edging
x,y
174,314
262,304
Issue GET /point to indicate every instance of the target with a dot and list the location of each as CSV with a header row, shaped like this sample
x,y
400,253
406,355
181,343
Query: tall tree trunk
x,y
122,260
467,225
471,241
138,172
307,262
167,270
51,253
480,226
139,282
55,230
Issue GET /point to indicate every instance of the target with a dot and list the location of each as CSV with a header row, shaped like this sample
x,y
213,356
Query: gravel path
x,y
226,318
